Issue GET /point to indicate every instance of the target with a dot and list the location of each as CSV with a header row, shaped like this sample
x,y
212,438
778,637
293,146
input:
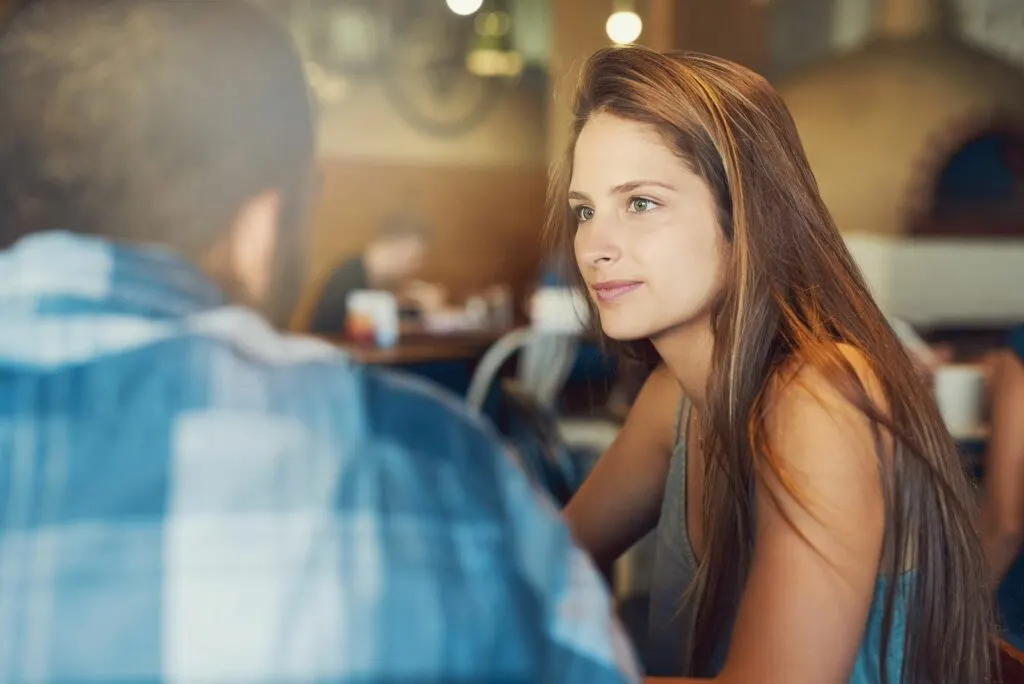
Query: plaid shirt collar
x,y
61,272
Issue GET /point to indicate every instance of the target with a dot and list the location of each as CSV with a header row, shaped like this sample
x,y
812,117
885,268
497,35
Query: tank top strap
x,y
682,429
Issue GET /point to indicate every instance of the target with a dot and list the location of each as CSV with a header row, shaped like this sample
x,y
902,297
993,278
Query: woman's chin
x,y
624,331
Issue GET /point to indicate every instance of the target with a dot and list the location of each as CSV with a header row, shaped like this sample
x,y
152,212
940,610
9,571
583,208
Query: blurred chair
x,y
548,348
556,451
529,407
548,351
546,359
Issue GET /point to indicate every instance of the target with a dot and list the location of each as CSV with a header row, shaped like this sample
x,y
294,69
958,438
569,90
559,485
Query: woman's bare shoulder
x,y
801,377
653,416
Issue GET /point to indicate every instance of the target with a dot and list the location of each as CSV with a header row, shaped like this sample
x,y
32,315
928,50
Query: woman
x,y
813,518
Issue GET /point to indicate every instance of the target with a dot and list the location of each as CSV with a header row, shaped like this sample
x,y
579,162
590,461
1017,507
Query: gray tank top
x,y
672,600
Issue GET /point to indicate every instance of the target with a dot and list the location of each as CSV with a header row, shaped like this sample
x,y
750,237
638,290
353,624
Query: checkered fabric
x,y
188,496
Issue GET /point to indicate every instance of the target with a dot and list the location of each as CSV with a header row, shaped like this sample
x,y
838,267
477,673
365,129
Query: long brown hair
x,y
792,292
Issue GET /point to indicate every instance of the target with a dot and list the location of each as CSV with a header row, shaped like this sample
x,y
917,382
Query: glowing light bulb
x,y
624,27
464,7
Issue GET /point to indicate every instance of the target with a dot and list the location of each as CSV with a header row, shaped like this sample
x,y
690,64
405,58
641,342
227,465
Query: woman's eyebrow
x,y
631,186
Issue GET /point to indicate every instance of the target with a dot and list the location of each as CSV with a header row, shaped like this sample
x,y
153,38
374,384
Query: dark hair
x,y
792,293
404,224
147,120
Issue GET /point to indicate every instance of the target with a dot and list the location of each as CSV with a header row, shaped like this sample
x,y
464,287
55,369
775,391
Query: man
x,y
391,261
186,495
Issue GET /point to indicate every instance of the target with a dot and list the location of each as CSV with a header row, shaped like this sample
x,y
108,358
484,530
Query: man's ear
x,y
253,244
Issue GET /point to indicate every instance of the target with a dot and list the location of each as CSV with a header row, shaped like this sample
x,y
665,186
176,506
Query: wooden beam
x,y
659,25
734,29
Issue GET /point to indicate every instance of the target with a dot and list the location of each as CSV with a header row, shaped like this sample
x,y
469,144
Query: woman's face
x,y
648,242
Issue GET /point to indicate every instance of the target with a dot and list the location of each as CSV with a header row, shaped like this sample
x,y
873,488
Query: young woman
x,y
814,523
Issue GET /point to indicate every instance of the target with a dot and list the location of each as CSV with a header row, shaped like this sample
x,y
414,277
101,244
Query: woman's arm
x,y
621,499
1002,506
803,613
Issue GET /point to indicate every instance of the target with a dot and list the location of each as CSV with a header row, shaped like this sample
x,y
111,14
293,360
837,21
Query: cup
x,y
558,310
373,316
960,394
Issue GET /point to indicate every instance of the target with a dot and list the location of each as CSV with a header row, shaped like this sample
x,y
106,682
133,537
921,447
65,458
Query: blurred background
x,y
439,120
445,115
450,112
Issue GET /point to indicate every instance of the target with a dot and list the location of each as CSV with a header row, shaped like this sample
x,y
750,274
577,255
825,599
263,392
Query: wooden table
x,y
1011,663
424,348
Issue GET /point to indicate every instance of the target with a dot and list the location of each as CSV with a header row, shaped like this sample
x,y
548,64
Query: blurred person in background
x,y
187,494
813,519
393,260
1002,503
1002,492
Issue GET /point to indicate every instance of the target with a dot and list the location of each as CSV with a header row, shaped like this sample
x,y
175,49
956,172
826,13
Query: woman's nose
x,y
596,244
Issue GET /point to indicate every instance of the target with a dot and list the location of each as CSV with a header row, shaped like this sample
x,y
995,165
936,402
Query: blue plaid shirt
x,y
188,496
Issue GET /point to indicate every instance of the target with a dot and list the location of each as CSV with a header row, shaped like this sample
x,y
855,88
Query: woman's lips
x,y
611,290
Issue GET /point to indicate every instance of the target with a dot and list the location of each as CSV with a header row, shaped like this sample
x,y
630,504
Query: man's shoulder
x,y
362,412
387,399
229,361
398,405
311,371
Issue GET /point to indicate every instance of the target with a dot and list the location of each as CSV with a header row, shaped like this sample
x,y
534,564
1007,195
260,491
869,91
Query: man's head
x,y
397,252
173,122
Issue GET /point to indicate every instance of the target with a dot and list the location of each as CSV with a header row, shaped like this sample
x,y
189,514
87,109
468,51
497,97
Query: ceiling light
x,y
465,7
624,27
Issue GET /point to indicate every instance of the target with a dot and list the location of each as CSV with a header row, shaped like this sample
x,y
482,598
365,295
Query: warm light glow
x,y
493,24
624,27
494,63
464,7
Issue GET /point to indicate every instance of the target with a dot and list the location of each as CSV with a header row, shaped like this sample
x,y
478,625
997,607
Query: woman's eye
x,y
641,205
583,213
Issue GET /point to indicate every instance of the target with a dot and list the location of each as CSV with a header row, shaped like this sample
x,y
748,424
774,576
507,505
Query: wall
x,y
799,34
877,128
804,31
365,125
734,29
483,197
578,30
482,192
486,219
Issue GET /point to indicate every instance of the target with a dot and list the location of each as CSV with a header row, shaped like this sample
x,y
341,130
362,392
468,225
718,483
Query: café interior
x,y
440,121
